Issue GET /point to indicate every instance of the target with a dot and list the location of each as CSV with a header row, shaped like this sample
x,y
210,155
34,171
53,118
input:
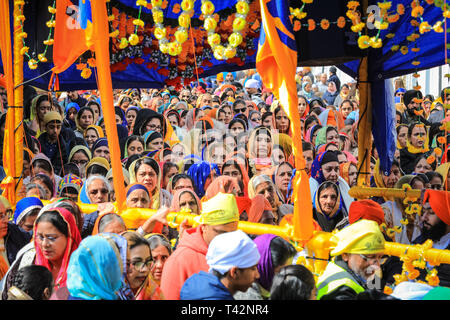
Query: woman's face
x,y
392,178
436,183
232,171
333,137
327,200
417,184
138,199
136,275
103,152
345,90
173,120
331,86
282,121
72,114
262,145
187,201
86,119
283,177
81,160
155,144
147,176
43,108
256,118
331,171
131,117
125,103
218,156
352,175
118,119
135,147
169,174
267,122
301,105
177,153
90,137
418,136
346,108
237,128
402,136
48,192
228,114
160,255
154,125
96,111
97,191
51,241
278,156
422,166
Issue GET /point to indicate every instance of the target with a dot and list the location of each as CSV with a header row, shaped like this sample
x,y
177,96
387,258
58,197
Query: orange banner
x,y
70,39
101,44
276,62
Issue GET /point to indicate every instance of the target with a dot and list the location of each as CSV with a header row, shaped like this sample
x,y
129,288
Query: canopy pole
x,y
364,126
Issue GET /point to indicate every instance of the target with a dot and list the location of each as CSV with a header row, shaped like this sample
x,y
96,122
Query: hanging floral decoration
x,y
34,58
180,59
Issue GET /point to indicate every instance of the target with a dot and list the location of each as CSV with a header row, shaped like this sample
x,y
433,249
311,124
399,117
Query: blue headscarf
x,y
137,186
25,206
316,168
69,106
96,268
100,142
199,172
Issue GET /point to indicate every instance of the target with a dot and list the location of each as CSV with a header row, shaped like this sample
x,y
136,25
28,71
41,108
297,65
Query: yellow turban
x,y
99,161
52,116
362,237
5,202
220,209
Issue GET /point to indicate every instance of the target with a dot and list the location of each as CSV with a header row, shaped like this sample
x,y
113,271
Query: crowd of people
x,y
220,149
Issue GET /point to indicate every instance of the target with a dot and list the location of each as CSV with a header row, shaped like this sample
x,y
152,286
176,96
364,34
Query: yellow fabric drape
x,y
13,139
101,43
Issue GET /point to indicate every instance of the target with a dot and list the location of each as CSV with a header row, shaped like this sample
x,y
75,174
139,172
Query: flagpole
x,y
101,44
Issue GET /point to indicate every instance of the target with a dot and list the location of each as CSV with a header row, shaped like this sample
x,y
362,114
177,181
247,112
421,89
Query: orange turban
x,y
440,203
366,209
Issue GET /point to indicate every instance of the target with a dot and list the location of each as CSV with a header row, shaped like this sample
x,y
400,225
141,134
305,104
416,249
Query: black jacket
x,y
15,239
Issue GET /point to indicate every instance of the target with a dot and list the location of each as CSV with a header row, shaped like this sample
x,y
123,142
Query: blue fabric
x,y
199,172
84,198
94,271
137,187
24,206
204,286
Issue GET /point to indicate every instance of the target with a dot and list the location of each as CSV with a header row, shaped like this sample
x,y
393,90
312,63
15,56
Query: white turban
x,y
232,249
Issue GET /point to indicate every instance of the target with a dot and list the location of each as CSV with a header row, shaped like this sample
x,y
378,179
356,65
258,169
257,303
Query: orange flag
x,y
276,62
99,24
70,39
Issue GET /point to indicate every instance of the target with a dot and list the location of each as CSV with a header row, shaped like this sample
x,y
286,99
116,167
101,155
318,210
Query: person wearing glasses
x,y
56,237
139,276
357,254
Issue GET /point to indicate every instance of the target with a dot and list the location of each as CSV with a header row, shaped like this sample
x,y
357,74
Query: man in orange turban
x,y
435,224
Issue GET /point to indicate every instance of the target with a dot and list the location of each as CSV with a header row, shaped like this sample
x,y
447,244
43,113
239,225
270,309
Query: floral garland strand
x,y
174,48
41,57
235,39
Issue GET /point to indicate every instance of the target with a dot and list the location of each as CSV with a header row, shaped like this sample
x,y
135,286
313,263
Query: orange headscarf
x,y
259,205
175,206
224,184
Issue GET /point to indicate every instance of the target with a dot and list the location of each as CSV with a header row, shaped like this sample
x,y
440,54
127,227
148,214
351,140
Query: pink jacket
x,y
188,258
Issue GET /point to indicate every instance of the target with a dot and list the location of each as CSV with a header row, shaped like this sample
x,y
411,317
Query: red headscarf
x,y
259,205
366,209
224,184
73,240
175,206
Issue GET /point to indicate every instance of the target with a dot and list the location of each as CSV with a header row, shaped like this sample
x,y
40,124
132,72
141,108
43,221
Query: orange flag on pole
x,y
99,25
70,38
276,62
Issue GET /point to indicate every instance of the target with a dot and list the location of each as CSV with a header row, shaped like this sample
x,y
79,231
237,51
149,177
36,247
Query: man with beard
x,y
358,253
435,223
414,111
